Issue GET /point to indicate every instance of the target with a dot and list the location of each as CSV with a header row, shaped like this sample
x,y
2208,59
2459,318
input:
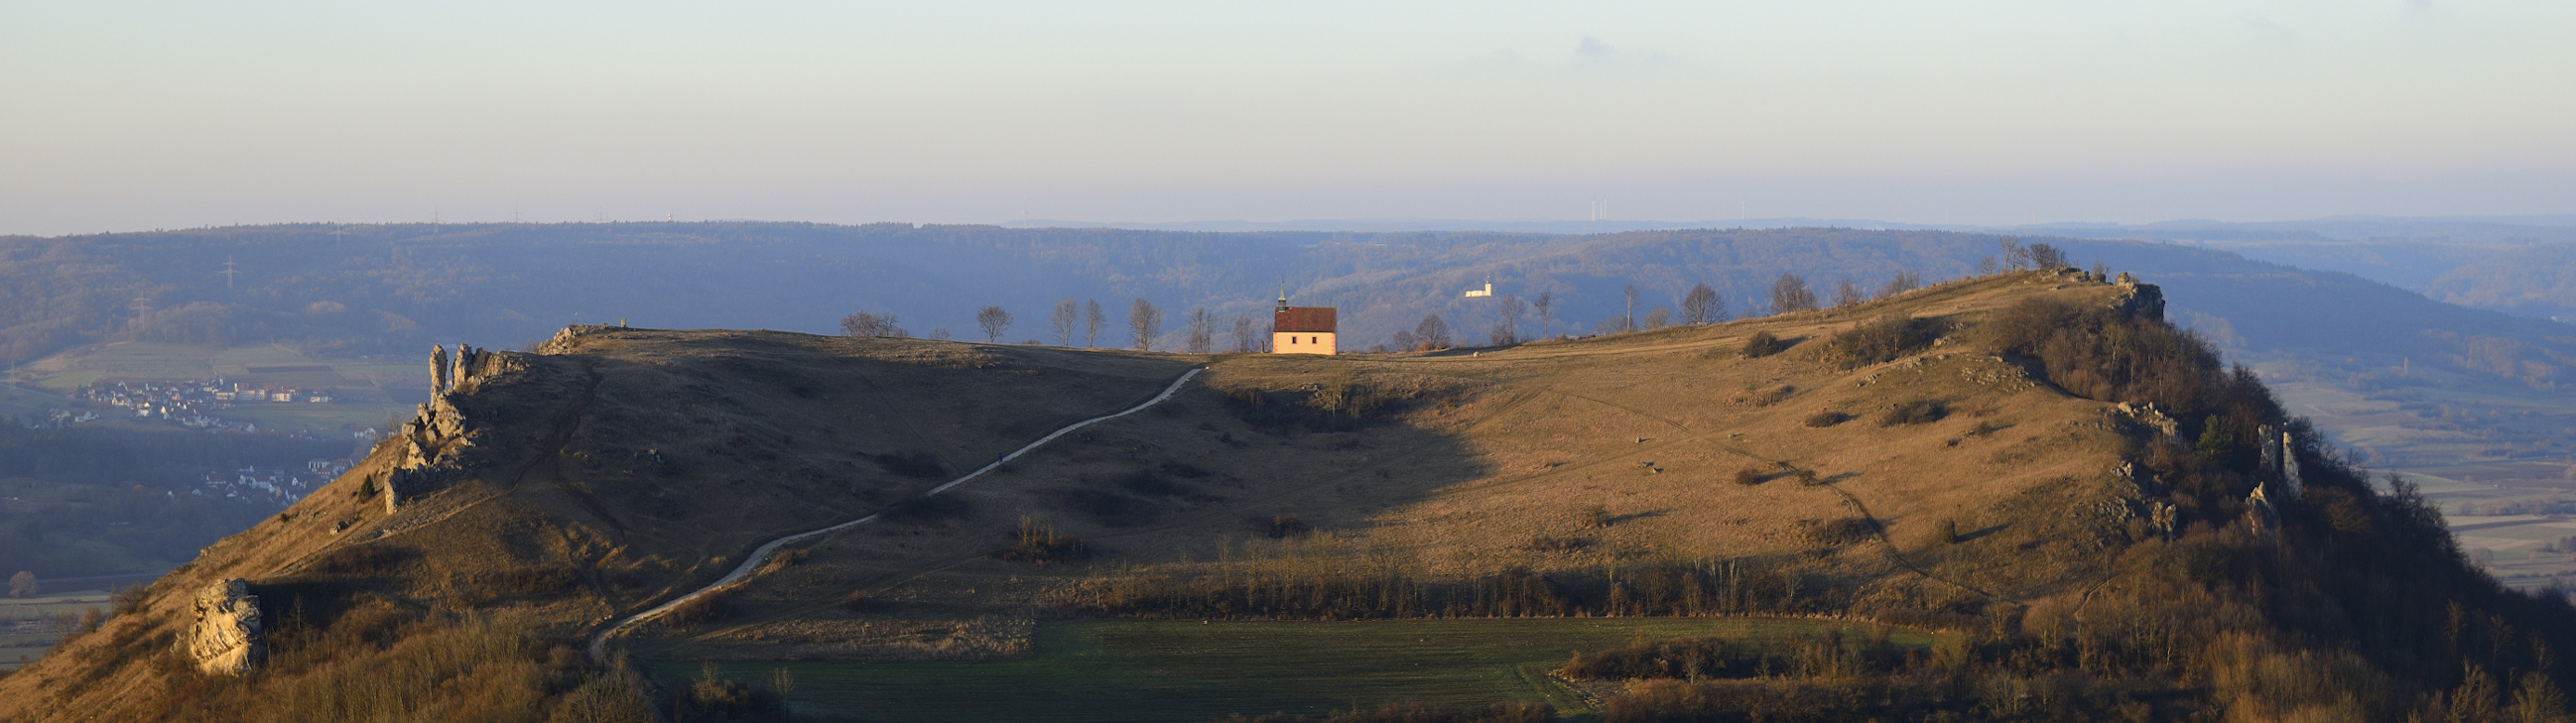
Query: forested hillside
x,y
348,290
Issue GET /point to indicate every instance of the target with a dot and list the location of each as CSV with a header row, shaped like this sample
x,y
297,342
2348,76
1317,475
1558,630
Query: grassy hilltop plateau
x,y
2019,496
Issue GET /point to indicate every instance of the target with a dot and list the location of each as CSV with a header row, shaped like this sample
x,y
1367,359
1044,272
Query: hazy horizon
x,y
135,116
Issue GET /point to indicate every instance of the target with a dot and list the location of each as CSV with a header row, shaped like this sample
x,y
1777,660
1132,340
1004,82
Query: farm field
x,y
28,626
1195,671
368,390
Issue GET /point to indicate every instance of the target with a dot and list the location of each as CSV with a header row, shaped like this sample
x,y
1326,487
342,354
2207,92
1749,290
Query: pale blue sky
x,y
130,115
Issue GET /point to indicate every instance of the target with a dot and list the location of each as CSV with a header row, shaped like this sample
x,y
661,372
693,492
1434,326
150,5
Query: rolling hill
x,y
2020,496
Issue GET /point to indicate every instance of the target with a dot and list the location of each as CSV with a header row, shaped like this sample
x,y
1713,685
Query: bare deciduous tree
x,y
1986,266
1905,281
1405,340
1433,332
1092,322
1631,293
1242,334
1546,307
1702,306
1146,321
2015,257
1660,317
994,321
1847,293
867,324
24,584
1067,314
1202,331
1511,309
1790,294
2044,256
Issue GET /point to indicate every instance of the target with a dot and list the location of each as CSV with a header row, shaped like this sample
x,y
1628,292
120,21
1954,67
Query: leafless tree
x,y
995,321
2044,256
1202,331
24,584
1631,293
939,333
1701,306
1433,332
867,324
1067,314
1847,293
1092,322
1789,294
1660,317
1146,321
1511,309
2015,257
1242,334
1406,341
1906,280
1986,266
1545,305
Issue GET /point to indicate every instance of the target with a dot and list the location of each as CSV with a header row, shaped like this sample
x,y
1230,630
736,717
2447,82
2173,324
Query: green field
x,y
1191,671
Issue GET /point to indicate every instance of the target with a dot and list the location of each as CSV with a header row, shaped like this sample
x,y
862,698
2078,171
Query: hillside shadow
x,y
1981,534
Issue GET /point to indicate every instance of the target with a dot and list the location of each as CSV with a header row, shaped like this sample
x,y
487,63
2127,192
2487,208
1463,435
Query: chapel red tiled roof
x,y
1304,320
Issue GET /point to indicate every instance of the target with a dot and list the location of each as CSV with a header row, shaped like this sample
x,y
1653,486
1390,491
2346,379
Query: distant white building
x,y
1487,291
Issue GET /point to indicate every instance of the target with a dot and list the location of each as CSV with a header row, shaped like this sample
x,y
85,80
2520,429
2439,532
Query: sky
x,y
125,116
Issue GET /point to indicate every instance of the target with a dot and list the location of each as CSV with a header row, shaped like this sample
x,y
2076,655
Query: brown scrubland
x,y
1992,457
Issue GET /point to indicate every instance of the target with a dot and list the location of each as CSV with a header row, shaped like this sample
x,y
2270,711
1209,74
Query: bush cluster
x,y
1920,411
1763,343
1880,340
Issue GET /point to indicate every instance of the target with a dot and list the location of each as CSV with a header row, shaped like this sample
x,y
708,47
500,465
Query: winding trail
x,y
750,563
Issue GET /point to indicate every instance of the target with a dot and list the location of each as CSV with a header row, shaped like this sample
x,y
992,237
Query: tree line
x,y
1085,321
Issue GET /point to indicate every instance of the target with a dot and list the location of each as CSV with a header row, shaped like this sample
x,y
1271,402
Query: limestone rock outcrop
x,y
2140,300
433,442
226,638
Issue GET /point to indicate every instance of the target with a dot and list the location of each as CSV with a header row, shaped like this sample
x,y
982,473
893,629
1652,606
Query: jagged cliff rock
x,y
226,637
2138,299
440,430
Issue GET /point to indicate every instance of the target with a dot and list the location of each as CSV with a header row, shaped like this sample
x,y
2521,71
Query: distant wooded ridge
x,y
379,289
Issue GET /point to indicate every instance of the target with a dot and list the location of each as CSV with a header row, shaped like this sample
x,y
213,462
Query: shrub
x,y
1765,396
1880,340
1845,531
1826,418
1807,477
1545,543
1762,344
1593,517
1038,542
707,608
128,598
1278,526
715,697
1947,532
1921,411
1751,476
